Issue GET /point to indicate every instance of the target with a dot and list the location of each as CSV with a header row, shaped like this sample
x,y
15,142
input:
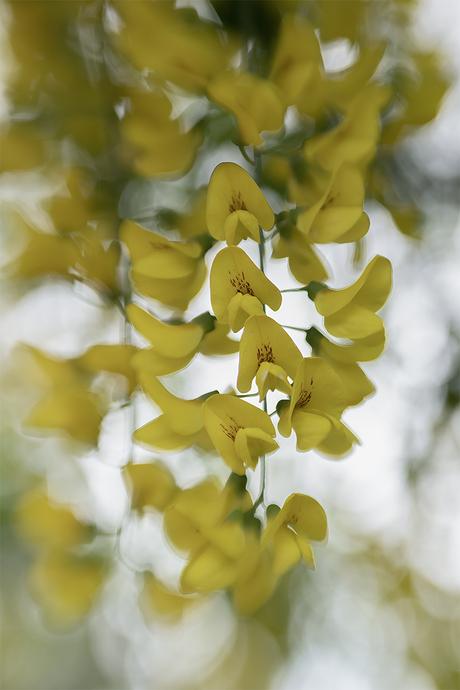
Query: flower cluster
x,y
142,106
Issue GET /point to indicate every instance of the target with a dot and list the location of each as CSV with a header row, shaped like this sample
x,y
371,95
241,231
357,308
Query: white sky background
x,y
364,493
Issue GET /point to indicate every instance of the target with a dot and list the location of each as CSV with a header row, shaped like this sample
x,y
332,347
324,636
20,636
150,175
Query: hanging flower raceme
x,y
350,313
317,402
172,272
241,432
269,354
291,529
255,102
239,288
235,205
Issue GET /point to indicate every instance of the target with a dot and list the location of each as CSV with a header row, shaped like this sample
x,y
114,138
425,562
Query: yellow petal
x,y
158,599
316,385
240,308
251,444
180,416
217,343
158,434
208,570
116,359
264,340
304,515
72,410
224,416
353,321
151,485
45,524
233,274
166,339
159,365
339,441
285,550
370,290
304,262
231,189
337,209
310,428
250,595
271,377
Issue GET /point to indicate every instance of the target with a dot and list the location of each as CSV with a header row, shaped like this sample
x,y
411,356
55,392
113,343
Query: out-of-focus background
x,y
381,611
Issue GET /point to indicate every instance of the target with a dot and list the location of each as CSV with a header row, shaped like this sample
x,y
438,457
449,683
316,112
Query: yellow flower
x,y
180,424
235,205
158,600
336,209
240,432
44,254
354,139
44,523
304,262
297,67
269,354
68,405
66,585
150,485
255,102
239,288
217,342
196,514
317,402
344,358
160,146
350,313
173,346
174,43
115,359
172,272
300,521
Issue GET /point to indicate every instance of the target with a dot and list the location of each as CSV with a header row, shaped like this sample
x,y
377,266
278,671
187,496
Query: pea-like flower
x,y
350,312
344,358
317,402
269,354
179,427
305,263
291,529
235,205
239,288
241,432
255,102
337,207
169,271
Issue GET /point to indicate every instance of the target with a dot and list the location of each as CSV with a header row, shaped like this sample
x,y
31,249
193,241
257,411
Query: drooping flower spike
x,y
268,353
239,288
317,402
235,205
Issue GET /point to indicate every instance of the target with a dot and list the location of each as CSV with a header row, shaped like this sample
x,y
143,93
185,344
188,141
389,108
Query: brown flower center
x,y
265,354
231,430
237,203
239,282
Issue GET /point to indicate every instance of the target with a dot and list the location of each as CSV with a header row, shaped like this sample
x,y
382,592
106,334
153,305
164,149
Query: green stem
x,y
245,155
